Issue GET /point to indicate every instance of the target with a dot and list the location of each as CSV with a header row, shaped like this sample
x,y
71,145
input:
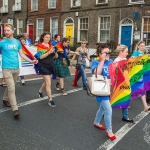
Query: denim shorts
x,y
46,70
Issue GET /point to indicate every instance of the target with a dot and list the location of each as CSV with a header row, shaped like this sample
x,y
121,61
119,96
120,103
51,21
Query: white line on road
x,y
39,99
122,132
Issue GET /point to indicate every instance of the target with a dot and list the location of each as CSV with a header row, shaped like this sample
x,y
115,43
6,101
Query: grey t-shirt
x,y
82,56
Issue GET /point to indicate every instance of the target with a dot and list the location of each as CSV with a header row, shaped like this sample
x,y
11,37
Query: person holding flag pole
x,y
10,48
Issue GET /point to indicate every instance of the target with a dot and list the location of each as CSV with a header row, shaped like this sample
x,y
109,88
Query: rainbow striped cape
x,y
42,49
59,47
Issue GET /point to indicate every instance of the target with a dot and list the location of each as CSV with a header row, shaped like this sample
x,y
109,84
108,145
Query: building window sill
x,y
101,4
52,8
33,10
75,7
138,3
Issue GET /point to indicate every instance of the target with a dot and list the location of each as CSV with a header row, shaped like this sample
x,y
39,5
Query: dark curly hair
x,y
100,48
42,36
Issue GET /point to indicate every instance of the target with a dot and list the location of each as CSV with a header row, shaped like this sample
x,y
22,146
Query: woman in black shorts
x,y
46,65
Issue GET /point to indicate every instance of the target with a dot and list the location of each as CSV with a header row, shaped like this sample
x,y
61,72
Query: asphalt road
x,y
68,126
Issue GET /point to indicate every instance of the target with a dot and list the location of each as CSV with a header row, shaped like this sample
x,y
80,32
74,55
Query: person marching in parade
x,y
10,48
83,51
45,54
139,51
123,52
101,65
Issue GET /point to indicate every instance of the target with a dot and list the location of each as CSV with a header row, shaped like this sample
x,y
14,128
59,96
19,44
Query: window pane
x,y
83,34
76,3
54,27
104,35
40,26
52,3
101,1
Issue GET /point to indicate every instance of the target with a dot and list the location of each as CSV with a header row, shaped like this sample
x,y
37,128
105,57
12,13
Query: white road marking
x,y
122,132
39,99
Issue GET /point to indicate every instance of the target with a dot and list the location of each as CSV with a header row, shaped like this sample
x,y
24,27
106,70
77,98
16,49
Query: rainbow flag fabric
x,y
120,97
59,47
130,79
27,52
42,49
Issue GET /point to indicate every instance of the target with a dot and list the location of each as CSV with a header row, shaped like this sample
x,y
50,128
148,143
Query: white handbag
x,y
87,62
98,85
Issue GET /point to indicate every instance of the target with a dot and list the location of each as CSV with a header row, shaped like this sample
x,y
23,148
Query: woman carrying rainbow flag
x,y
45,54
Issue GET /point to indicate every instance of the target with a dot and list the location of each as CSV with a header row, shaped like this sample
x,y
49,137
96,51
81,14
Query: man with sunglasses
x,y
10,48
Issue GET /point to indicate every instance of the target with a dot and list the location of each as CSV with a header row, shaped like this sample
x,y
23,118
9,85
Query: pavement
x,y
68,126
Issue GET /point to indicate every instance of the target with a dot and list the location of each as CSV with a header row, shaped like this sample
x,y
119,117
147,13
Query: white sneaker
x,y
57,86
23,82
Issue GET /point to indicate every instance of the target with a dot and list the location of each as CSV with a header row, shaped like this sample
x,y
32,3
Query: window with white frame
x,y
83,26
136,1
5,5
51,3
104,29
40,27
101,1
53,26
146,30
75,3
34,5
19,26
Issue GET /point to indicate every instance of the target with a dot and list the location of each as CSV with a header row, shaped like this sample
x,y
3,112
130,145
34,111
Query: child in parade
x,y
123,52
105,108
139,51
83,51
46,63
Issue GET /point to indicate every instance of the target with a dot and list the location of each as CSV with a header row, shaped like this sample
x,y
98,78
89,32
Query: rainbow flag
x,y
60,48
27,52
120,97
42,49
132,80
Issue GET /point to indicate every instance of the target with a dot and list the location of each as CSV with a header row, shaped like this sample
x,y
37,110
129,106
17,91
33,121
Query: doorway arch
x,y
126,32
69,30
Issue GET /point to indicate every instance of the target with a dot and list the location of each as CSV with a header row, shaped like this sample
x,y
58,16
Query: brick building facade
x,y
15,12
44,15
101,21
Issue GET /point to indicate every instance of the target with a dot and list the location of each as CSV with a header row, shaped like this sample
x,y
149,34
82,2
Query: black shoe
x,y
16,113
6,103
127,120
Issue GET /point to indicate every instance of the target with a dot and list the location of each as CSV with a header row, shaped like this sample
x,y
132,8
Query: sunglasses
x,y
83,43
106,53
47,33
10,26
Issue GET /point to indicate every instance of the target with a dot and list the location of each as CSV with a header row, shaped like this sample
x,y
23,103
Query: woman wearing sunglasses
x,y
105,109
83,51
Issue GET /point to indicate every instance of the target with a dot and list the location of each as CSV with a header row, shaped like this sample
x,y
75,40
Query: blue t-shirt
x,y
10,49
137,53
54,43
105,72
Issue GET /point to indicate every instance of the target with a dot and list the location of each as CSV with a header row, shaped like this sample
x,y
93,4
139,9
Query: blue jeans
x,y
106,110
125,113
81,72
